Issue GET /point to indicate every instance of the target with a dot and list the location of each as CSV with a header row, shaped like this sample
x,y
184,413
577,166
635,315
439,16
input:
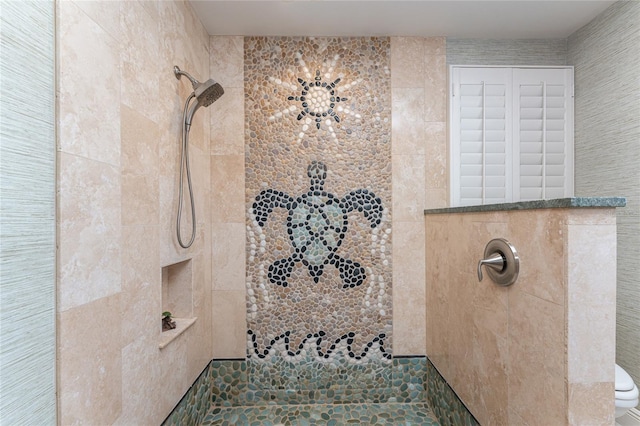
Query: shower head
x,y
205,93
208,92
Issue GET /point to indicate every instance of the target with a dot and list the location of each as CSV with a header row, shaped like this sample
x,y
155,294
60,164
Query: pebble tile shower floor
x,y
227,393
331,414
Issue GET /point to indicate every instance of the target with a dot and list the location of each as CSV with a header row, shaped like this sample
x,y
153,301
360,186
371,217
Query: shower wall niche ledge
x,y
182,324
177,298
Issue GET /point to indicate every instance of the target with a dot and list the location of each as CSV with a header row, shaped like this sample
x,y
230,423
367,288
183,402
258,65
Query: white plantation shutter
x,y
512,134
484,136
543,123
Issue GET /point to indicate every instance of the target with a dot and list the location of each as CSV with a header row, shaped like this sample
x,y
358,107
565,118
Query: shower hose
x,y
184,164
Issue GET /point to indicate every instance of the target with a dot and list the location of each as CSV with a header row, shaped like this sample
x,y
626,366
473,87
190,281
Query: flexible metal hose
x,y
184,163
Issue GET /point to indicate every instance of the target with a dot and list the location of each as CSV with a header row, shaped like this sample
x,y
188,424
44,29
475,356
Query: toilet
x,y
626,392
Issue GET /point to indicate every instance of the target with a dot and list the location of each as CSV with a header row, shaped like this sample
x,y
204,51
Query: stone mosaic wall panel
x,y
318,193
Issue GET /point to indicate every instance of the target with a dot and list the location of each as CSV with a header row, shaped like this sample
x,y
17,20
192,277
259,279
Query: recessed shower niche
x,y
177,298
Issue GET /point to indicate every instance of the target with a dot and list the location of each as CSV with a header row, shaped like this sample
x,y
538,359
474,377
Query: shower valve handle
x,y
502,262
495,262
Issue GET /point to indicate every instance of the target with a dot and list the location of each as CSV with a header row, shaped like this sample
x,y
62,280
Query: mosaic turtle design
x,y
316,225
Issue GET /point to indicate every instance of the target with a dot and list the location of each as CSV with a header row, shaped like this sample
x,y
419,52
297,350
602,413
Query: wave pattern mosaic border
x,y
313,343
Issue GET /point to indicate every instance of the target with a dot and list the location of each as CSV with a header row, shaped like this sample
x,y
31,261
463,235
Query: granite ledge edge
x,y
558,203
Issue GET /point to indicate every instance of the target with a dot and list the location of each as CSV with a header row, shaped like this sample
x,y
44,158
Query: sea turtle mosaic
x,y
316,225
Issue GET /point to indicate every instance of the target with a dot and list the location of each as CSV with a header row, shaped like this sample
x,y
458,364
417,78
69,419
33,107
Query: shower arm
x,y
179,73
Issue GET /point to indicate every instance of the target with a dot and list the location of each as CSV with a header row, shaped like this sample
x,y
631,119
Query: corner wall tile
x,y
591,298
140,199
89,358
407,61
140,60
229,250
436,198
89,125
539,238
435,88
227,60
591,404
104,13
227,188
140,382
435,46
229,324
409,302
407,115
436,155
140,142
408,187
141,283
89,251
227,123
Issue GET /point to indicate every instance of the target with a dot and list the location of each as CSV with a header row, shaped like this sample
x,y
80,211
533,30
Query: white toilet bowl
x,y
626,392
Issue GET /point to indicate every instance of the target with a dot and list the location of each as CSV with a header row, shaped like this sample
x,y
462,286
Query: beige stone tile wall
x,y
419,164
529,353
119,121
228,237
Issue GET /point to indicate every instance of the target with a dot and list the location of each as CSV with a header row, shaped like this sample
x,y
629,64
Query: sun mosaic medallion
x,y
320,105
318,99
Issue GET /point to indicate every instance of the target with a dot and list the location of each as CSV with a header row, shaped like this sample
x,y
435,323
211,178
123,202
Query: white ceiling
x,y
505,19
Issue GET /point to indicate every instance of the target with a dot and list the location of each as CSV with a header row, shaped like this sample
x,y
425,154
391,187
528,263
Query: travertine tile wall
x,y
542,350
420,175
119,124
606,57
419,180
228,209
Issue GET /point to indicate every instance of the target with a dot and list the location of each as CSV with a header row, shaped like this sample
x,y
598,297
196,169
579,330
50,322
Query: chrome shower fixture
x,y
205,94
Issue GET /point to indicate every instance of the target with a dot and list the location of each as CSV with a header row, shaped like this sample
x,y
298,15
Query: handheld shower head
x,y
205,93
208,92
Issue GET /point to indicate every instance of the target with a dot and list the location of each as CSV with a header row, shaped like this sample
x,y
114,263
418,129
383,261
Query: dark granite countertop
x,y
559,203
